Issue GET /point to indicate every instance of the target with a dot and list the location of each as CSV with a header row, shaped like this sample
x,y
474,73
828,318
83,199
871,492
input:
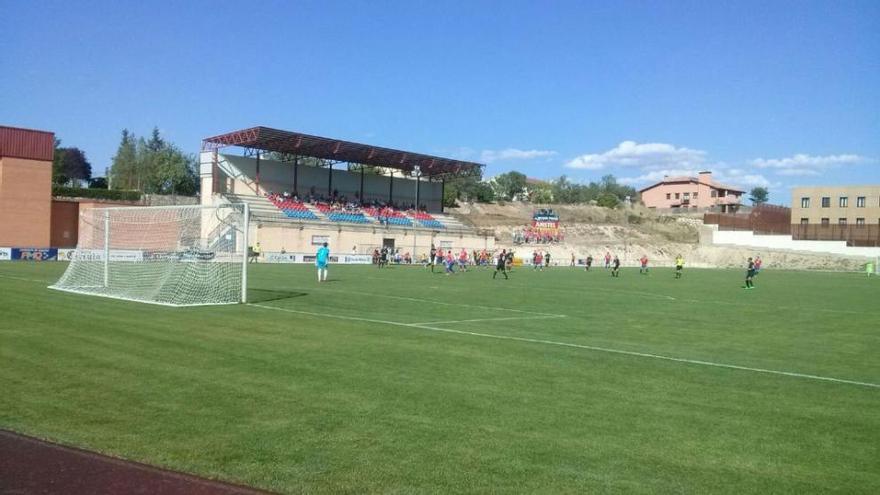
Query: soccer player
x,y
538,261
589,261
322,257
501,265
572,259
463,260
433,257
547,260
450,263
758,263
607,259
679,266
615,267
750,274
644,262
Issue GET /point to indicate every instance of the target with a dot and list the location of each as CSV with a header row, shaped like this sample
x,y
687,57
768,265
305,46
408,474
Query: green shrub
x,y
113,194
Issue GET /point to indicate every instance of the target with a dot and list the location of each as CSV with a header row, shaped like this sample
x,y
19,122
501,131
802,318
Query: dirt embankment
x,y
631,232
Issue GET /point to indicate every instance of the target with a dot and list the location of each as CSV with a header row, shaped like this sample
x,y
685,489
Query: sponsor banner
x,y
344,259
546,218
5,254
98,255
279,258
356,259
545,225
35,254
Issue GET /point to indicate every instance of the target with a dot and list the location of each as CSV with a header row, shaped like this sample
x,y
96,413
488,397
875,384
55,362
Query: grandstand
x,y
303,190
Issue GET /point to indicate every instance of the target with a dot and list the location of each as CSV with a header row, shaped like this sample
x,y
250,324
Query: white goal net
x,y
172,255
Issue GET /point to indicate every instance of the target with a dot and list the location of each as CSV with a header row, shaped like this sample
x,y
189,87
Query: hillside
x,y
631,232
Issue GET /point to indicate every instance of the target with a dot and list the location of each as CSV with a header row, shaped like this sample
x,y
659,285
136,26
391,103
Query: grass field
x,y
399,381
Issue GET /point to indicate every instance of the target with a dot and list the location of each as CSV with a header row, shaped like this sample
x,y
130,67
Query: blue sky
x,y
762,93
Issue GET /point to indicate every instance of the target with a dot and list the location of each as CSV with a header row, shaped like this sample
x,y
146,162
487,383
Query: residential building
x,y
692,192
850,213
850,205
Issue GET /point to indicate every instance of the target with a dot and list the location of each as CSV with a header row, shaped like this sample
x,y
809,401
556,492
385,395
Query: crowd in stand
x,y
538,236
340,203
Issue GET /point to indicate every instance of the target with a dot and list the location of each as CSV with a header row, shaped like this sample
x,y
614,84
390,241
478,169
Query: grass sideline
x,y
359,396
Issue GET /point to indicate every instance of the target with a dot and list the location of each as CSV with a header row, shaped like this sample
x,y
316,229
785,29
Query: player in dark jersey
x,y
501,265
750,274
589,261
615,267
433,257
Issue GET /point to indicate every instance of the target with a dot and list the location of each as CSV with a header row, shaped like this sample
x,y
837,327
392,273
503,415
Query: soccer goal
x,y
171,255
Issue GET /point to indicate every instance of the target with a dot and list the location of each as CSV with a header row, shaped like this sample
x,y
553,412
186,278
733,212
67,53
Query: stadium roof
x,y
337,150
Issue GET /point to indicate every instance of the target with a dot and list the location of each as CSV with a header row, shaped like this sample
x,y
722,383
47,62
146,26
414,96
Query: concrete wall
x,y
746,238
275,238
25,202
239,175
814,212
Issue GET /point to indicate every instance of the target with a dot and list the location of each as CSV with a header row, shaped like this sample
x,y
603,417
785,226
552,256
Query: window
x,y
714,193
860,222
668,196
805,221
860,202
687,195
843,201
841,222
825,222
695,195
805,202
826,202
676,195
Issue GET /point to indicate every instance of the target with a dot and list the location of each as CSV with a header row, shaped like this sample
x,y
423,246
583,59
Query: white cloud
x,y
803,165
489,156
645,155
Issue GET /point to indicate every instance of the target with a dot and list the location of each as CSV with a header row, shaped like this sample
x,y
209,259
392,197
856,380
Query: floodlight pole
x,y
246,248
106,248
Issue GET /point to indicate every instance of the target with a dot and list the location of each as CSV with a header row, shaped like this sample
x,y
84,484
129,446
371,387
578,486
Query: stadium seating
x,y
427,220
291,208
389,215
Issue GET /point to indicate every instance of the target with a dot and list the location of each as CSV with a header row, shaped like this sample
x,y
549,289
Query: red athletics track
x,y
32,466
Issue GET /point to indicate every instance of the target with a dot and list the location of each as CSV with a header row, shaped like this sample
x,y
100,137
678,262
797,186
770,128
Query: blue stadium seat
x,y
301,214
433,224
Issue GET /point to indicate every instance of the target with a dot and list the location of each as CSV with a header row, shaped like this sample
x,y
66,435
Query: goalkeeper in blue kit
x,y
322,257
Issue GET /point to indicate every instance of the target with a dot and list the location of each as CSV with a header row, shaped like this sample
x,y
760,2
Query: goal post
x,y
172,255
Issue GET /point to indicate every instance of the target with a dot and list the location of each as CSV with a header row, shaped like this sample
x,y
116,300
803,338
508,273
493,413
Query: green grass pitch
x,y
356,385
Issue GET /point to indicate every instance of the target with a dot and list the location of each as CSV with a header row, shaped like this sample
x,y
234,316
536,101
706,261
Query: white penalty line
x,y
448,322
424,326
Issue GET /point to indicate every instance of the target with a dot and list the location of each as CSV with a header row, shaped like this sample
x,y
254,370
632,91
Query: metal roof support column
x,y
295,175
391,188
362,183
442,193
258,173
418,183
330,180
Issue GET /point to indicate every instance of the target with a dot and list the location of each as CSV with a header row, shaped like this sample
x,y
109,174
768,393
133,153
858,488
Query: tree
x,y
98,183
759,195
123,170
153,166
69,163
467,188
608,200
509,186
